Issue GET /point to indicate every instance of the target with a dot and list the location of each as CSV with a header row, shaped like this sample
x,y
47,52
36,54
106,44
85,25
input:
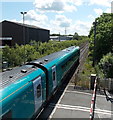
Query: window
x,y
38,91
8,116
64,66
54,76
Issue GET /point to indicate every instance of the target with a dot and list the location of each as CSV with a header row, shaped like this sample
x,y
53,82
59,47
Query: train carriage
x,y
26,89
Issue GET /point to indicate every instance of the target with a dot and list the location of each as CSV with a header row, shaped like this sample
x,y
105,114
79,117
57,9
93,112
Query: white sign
x,y
5,38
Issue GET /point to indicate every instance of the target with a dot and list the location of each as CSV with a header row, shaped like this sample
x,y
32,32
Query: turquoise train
x,y
26,89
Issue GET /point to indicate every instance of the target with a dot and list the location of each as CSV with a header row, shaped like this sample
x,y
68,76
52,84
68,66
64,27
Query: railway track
x,y
72,103
46,113
83,55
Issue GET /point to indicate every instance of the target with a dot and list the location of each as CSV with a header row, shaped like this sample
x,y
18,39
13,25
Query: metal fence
x,y
106,83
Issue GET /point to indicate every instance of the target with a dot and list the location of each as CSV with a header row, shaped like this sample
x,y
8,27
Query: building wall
x,y
37,34
15,31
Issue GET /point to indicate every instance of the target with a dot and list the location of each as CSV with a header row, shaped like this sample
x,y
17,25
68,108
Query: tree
x,y
55,34
104,36
75,36
106,65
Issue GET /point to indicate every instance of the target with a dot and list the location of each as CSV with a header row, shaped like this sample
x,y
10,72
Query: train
x,y
26,89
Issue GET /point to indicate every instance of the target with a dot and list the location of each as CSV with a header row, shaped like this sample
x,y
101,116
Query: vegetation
x,y
76,36
55,34
102,51
84,75
15,56
104,36
106,65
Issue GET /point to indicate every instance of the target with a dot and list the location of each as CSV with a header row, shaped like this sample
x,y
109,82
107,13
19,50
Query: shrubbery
x,y
101,51
106,65
15,56
104,36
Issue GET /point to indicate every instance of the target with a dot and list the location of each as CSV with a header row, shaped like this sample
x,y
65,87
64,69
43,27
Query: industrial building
x,y
17,33
61,38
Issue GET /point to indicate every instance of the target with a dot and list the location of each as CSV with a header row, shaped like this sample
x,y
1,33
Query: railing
x,y
107,84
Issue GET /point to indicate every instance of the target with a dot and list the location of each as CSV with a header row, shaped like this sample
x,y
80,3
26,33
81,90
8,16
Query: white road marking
x,y
75,107
98,114
58,102
70,108
79,92
80,108
84,93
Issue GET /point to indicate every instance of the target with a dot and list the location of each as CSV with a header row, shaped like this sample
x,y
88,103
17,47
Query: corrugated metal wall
x,y
10,29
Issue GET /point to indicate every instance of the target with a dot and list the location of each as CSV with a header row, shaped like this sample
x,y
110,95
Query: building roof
x,y
54,37
26,25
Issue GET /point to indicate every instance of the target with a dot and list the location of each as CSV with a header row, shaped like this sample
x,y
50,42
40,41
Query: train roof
x,y
13,75
46,59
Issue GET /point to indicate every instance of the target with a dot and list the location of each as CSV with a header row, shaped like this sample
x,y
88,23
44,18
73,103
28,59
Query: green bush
x,y
16,56
106,65
104,36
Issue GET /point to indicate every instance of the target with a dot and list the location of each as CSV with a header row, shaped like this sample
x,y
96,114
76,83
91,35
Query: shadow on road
x,y
48,110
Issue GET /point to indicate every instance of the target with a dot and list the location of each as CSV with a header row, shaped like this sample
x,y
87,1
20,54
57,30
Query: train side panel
x,y
52,76
20,103
58,68
24,98
66,63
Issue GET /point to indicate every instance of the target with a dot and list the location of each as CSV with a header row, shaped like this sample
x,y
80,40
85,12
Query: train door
x,y
37,93
54,76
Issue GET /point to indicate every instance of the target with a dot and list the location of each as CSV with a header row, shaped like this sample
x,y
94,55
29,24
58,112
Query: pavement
x,y
103,108
75,103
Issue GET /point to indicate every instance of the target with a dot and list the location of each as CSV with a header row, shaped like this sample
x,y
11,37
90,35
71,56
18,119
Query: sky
x,y
56,15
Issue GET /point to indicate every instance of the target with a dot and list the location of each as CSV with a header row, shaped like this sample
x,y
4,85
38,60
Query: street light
x,y
95,24
23,13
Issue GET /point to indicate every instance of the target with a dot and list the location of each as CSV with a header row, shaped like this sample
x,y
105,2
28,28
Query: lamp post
x,y
95,24
23,13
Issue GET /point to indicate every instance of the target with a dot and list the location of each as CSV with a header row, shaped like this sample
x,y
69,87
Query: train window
x,y
63,66
53,75
8,116
38,91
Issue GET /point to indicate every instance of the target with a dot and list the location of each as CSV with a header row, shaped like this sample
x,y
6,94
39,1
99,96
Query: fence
x,y
106,83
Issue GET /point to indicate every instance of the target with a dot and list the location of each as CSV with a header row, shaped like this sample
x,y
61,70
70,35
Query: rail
x,y
83,52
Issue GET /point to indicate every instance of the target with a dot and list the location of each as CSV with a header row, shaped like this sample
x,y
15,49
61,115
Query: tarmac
x,y
76,103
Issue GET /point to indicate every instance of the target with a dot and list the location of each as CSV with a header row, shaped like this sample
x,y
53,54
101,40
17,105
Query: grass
x,y
83,77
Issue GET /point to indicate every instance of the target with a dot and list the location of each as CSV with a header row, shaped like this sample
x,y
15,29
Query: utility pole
x,y
23,13
95,24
